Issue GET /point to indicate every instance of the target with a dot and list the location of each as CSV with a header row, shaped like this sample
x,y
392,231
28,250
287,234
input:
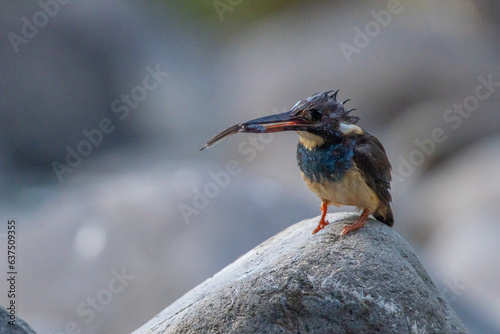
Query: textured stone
x,y
368,281
19,327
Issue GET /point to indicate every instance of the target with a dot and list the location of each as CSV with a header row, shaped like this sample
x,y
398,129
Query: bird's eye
x,y
315,114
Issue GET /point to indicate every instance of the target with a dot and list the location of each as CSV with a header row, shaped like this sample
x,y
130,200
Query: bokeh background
x,y
107,240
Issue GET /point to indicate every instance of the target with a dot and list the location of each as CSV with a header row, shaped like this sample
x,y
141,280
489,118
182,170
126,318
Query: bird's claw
x,y
357,225
320,226
348,229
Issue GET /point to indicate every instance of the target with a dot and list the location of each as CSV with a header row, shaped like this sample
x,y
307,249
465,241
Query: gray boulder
x,y
19,327
369,281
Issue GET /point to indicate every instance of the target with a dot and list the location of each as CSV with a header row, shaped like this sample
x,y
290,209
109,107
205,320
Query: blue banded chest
x,y
327,162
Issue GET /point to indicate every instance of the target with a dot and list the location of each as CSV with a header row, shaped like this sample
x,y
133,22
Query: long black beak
x,y
274,123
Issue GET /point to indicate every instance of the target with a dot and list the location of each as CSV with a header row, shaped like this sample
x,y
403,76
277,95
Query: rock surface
x,y
19,327
369,281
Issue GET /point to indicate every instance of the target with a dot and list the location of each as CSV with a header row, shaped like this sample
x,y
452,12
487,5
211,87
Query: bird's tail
x,y
385,215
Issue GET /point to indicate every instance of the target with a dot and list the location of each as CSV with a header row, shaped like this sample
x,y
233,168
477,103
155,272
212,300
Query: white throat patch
x,y
309,140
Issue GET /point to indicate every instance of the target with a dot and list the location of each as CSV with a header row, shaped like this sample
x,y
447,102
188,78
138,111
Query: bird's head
x,y
317,119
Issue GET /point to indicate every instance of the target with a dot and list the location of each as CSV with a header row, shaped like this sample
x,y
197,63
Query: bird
x,y
339,161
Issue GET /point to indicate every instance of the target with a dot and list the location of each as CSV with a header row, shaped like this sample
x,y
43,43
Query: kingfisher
x,y
339,161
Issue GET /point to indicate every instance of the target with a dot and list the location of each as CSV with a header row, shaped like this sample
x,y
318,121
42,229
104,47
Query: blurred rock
x,y
462,195
120,209
88,63
19,327
368,281
123,212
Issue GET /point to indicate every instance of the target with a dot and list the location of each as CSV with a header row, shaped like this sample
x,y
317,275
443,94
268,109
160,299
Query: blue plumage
x,y
340,162
326,162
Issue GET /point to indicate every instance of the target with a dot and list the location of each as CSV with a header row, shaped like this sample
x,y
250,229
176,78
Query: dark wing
x,y
372,162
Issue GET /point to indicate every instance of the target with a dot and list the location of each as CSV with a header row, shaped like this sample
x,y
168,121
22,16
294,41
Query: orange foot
x,y
321,225
322,222
357,225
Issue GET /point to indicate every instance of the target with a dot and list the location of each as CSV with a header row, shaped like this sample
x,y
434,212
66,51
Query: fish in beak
x,y
286,121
